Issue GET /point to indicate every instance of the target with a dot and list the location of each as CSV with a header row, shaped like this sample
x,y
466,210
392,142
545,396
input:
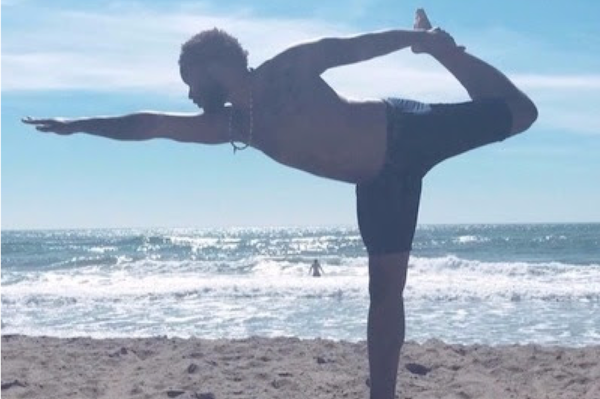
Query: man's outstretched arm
x,y
191,128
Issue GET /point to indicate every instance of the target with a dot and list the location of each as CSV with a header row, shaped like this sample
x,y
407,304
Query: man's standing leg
x,y
387,209
385,330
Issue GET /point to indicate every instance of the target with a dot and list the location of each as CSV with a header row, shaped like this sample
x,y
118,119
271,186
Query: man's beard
x,y
214,98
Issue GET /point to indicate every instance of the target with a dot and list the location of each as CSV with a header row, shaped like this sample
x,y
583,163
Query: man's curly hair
x,y
212,45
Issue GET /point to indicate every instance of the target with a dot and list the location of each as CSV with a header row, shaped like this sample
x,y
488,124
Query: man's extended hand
x,y
437,41
61,126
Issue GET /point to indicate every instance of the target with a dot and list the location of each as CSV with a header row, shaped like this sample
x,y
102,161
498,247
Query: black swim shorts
x,y
419,136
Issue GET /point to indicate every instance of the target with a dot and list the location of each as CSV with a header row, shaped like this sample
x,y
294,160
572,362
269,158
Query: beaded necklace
x,y
237,147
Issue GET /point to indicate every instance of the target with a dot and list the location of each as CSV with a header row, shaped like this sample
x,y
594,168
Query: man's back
x,y
300,121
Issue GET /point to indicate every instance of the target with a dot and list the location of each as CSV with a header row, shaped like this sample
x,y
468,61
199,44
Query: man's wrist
x,y
82,125
419,38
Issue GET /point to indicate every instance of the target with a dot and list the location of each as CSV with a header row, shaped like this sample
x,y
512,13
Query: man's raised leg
x,y
387,278
481,80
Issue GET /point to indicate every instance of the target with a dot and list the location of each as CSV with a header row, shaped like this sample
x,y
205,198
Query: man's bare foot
x,y
421,20
421,23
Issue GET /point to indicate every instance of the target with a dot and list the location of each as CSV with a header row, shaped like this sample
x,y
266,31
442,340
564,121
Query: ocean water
x,y
491,284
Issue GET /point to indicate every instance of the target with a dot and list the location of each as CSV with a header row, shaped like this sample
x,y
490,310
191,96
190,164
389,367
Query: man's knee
x,y
524,114
387,277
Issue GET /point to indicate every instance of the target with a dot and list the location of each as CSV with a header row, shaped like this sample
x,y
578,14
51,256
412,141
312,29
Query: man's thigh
x,y
427,138
387,210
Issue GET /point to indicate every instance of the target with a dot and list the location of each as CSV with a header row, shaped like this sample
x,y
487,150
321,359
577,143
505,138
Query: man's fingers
x,y
49,129
30,120
34,121
45,125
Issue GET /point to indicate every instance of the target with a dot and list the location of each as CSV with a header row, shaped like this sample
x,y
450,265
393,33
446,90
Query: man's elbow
x,y
524,114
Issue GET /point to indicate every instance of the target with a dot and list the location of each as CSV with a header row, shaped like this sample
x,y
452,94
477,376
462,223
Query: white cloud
x,y
136,48
12,3
566,82
572,119
132,49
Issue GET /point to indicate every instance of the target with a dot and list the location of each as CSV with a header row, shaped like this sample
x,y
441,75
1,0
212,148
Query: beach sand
x,y
287,368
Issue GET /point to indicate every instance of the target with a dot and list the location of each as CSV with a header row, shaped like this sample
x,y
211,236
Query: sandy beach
x,y
41,367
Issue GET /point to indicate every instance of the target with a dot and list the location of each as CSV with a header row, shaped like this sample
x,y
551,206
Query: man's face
x,y
205,90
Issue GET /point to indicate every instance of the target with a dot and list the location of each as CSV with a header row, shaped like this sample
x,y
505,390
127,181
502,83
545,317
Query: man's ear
x,y
216,70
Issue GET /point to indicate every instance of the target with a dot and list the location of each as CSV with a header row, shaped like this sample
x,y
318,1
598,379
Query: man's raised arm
x,y
320,55
191,128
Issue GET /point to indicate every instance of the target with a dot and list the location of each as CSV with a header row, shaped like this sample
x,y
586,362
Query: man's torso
x,y
300,121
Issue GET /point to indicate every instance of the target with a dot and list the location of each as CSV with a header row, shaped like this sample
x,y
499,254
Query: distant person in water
x,y
285,109
316,269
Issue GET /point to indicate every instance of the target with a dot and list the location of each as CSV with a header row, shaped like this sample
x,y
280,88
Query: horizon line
x,y
290,226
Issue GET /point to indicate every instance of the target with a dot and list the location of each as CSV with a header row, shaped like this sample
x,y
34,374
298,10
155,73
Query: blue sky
x,y
72,58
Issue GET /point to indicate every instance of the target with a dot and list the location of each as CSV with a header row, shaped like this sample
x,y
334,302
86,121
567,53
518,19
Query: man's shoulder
x,y
285,64
274,67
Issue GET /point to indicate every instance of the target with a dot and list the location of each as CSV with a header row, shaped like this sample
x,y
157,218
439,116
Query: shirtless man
x,y
385,147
